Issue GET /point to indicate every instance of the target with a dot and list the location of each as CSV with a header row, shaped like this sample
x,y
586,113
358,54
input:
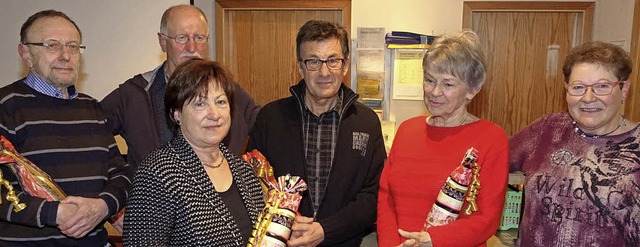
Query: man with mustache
x,y
65,134
135,110
136,107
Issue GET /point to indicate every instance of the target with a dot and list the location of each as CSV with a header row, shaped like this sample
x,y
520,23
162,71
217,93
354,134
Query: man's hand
x,y
65,212
415,239
88,214
305,232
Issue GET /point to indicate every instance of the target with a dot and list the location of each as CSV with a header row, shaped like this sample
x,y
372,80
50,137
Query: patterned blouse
x,y
579,191
174,203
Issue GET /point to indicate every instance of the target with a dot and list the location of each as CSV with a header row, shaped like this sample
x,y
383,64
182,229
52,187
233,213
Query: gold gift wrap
x,y
262,168
11,195
32,179
273,227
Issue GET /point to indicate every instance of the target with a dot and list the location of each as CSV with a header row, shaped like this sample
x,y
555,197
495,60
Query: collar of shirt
x,y
164,73
36,82
337,108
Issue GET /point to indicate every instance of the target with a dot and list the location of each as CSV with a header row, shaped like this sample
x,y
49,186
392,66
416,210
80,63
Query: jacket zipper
x,y
344,107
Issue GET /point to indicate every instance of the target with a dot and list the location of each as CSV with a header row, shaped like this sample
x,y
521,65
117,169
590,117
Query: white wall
x,y
612,22
121,34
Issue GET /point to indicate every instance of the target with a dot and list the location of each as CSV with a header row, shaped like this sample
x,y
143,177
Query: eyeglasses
x,y
56,47
600,88
183,38
316,64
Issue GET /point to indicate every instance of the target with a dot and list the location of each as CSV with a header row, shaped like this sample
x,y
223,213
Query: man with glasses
x,y
136,107
65,134
322,134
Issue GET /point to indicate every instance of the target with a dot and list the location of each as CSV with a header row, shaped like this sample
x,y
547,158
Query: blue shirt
x,y
36,82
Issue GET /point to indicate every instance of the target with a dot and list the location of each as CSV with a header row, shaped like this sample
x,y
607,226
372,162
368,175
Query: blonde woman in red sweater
x,y
427,149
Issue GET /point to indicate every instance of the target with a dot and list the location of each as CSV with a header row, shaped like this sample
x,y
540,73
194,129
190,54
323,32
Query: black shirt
x,y
234,203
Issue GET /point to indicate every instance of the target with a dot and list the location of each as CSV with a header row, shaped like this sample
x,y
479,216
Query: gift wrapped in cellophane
x,y
32,179
283,197
261,167
462,185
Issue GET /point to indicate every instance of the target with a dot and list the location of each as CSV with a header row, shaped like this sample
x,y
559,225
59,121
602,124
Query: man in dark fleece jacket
x,y
322,134
136,108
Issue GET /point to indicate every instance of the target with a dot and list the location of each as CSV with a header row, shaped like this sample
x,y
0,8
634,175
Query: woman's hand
x,y
415,239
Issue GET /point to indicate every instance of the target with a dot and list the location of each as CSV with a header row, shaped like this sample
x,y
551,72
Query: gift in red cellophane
x,y
32,179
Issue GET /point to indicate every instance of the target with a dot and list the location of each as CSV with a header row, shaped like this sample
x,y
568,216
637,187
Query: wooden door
x,y
525,44
632,104
256,40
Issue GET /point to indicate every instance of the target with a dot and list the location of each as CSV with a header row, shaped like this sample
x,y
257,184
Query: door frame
x,y
223,6
587,9
582,32
632,103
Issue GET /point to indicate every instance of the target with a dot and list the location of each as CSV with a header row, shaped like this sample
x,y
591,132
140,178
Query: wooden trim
x,y
467,12
511,6
222,6
346,23
220,23
632,103
589,12
587,8
283,4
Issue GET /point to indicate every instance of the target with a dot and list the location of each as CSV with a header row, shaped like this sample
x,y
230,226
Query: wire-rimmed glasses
x,y
600,88
56,47
183,38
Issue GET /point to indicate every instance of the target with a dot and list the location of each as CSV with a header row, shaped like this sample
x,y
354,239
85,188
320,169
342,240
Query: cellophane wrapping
x,y
32,179
451,197
283,197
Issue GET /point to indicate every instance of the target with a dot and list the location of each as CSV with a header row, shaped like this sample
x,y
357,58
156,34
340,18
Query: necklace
x,y
585,134
216,165
459,124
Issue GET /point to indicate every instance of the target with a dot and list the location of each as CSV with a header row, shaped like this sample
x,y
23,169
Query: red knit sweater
x,y
421,159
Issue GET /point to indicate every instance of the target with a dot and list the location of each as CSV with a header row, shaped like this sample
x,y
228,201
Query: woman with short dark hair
x,y
583,166
193,191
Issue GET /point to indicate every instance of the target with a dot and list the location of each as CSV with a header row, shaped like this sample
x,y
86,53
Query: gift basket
x,y
462,185
283,197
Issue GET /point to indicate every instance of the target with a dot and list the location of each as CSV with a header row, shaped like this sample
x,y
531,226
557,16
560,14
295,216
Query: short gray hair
x,y
459,55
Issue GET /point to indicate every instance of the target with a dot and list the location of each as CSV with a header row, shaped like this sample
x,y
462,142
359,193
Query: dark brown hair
x,y
610,56
42,14
316,30
190,80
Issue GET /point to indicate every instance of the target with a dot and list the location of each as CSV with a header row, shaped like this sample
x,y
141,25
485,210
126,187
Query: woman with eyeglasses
x,y
417,182
582,167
